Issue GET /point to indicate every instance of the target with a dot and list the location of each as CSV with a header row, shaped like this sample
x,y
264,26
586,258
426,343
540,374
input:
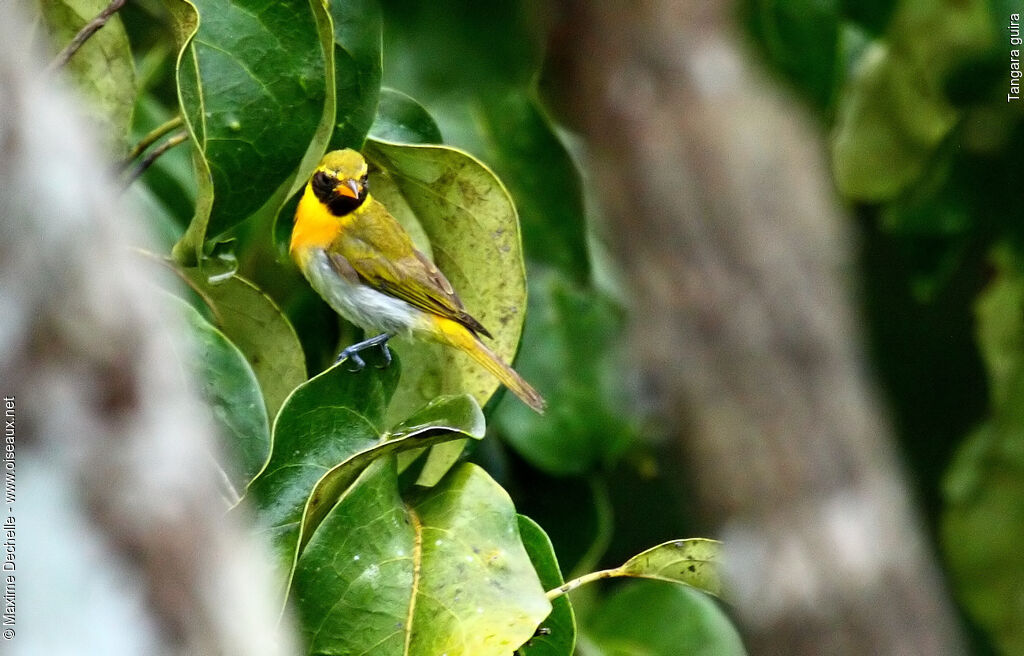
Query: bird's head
x,y
340,181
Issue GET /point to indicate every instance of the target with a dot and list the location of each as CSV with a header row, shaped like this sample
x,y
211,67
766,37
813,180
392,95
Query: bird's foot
x,y
351,353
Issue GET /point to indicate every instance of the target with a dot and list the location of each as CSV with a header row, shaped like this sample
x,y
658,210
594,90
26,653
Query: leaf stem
x,y
83,35
176,139
586,578
152,138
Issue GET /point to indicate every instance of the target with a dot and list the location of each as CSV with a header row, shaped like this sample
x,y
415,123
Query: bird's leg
x,y
387,354
352,352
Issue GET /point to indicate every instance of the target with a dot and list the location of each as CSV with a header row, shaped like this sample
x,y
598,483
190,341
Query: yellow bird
x,y
363,263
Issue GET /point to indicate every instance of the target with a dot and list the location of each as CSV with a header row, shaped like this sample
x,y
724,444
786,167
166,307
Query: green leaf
x,y
893,113
102,69
981,536
354,580
569,353
230,388
450,413
655,619
542,177
473,230
445,573
474,68
984,486
872,15
801,39
325,421
400,119
557,633
352,99
938,204
357,69
447,46
253,91
695,562
1000,331
442,420
258,327
327,433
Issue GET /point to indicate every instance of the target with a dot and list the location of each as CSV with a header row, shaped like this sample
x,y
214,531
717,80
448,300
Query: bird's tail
x,y
454,334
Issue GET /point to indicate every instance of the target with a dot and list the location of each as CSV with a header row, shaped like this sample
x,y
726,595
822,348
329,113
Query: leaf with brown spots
x,y
470,222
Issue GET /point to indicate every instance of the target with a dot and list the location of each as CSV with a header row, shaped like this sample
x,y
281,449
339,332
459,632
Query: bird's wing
x,y
381,253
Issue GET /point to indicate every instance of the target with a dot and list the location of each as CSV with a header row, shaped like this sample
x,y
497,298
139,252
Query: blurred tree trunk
x,y
123,541
723,217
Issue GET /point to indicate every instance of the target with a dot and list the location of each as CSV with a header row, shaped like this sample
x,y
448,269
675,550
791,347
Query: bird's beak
x,y
350,188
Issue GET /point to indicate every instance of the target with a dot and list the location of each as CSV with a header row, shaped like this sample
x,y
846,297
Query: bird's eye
x,y
323,184
365,182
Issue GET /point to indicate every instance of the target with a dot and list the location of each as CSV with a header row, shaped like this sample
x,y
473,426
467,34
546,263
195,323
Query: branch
x,y
176,139
724,221
90,28
569,586
152,137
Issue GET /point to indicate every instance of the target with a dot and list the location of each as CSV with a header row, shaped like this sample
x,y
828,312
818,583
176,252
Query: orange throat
x,y
315,227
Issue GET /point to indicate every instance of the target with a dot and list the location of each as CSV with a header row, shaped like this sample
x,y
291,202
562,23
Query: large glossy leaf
x,y
557,633
230,388
357,69
444,573
355,44
894,112
542,177
325,421
400,119
353,584
252,80
442,420
258,327
473,230
474,68
658,619
327,433
102,70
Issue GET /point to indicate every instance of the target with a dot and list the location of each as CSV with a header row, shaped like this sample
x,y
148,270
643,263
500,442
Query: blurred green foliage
x,y
927,152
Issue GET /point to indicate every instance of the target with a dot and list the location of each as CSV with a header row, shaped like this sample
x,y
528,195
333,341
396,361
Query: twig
x,y
586,578
151,138
150,158
83,35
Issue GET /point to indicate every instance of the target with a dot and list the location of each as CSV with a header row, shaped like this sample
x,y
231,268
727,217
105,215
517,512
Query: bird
x,y
363,263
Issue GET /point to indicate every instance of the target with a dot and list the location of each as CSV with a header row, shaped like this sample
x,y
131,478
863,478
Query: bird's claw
x,y
351,353
386,352
353,357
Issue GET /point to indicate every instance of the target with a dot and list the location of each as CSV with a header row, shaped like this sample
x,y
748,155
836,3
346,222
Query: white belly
x,y
364,306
